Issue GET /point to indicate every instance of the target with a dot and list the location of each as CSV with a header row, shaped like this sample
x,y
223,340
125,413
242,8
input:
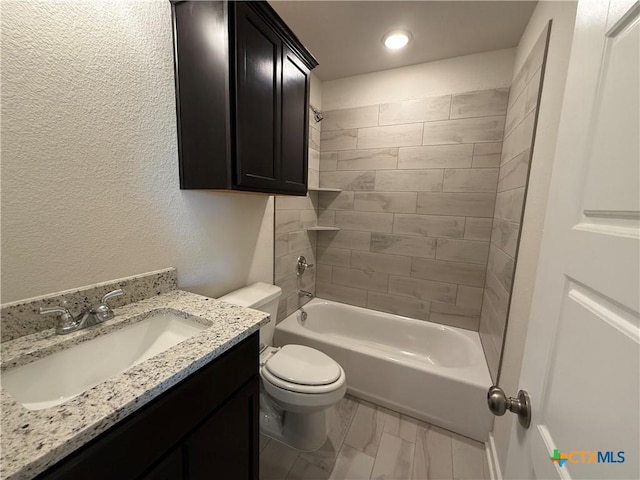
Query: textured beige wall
x,y
89,158
563,16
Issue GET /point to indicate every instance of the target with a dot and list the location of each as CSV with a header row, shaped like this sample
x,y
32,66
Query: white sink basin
x,y
61,376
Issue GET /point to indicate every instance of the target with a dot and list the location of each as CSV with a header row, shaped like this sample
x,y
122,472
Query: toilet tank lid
x,y
253,296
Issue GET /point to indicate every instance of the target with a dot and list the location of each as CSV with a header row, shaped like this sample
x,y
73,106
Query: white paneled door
x,y
581,360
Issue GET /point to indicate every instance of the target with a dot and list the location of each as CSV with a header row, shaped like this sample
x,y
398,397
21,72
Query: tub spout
x,y
304,293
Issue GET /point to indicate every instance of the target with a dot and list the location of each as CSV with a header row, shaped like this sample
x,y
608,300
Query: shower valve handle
x,y
302,265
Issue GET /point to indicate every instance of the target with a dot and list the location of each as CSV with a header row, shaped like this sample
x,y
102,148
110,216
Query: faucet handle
x,y
102,310
59,310
66,323
110,295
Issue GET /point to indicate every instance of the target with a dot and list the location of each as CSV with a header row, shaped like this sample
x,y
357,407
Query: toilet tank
x,y
259,296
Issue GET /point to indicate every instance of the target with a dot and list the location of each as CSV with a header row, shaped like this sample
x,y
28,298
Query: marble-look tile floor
x,y
366,441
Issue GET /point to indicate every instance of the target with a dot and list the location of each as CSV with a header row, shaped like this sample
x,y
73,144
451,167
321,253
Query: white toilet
x,y
299,383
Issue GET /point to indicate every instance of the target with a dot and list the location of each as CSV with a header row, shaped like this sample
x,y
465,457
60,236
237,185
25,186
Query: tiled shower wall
x,y
292,217
419,182
512,182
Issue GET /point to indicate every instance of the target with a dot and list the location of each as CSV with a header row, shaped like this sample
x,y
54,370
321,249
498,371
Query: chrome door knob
x,y
499,403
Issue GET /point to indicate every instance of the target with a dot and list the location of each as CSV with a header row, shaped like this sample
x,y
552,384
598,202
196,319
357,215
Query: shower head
x,y
317,115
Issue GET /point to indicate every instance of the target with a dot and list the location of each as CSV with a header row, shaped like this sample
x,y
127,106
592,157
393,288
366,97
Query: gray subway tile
x,y
281,245
301,240
364,221
324,273
435,156
451,272
287,221
516,114
469,297
313,159
351,240
518,140
349,118
373,159
429,225
380,262
471,180
391,136
293,202
496,293
412,246
333,256
348,180
483,103
502,266
369,280
477,228
514,173
401,202
338,140
486,155
314,138
411,111
509,205
398,305
505,236
452,315
533,91
409,180
339,293
336,200
466,251
328,161
326,218
423,289
468,130
465,204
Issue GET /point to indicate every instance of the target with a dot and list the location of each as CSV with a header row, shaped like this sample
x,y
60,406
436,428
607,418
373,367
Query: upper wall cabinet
x,y
242,93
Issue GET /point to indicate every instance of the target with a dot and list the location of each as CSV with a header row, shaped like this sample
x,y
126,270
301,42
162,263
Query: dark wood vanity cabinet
x,y
242,90
206,427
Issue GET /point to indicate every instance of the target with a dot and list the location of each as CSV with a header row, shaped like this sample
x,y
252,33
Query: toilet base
x,y
305,432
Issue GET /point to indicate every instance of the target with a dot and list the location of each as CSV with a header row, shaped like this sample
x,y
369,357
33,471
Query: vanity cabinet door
x,y
226,444
171,468
258,92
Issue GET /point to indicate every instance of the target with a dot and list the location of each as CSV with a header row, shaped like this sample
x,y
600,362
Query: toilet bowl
x,y
298,383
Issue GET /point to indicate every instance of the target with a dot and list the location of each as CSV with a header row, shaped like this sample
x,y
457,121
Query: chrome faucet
x,y
98,313
304,293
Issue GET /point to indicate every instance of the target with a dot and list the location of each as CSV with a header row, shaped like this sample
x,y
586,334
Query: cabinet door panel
x,y
169,468
226,444
257,101
202,93
295,123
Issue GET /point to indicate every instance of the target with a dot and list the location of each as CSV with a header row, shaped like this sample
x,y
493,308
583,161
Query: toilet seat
x,y
303,366
302,369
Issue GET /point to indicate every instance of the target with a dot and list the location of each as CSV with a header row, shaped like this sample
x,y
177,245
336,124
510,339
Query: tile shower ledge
x,y
33,440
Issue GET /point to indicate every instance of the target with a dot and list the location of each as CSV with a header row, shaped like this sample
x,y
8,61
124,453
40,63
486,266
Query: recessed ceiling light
x,y
396,39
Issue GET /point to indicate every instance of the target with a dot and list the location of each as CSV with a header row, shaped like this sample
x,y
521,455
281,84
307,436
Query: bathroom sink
x,y
63,375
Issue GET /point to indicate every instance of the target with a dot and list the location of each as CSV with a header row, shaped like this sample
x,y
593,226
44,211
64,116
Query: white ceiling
x,y
346,36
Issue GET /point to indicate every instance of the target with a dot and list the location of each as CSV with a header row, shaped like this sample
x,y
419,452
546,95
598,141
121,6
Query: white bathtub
x,y
428,371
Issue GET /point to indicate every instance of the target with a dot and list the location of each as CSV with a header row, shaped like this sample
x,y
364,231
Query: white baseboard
x,y
492,459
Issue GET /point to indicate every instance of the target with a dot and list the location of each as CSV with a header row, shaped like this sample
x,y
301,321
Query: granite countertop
x,y
33,440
